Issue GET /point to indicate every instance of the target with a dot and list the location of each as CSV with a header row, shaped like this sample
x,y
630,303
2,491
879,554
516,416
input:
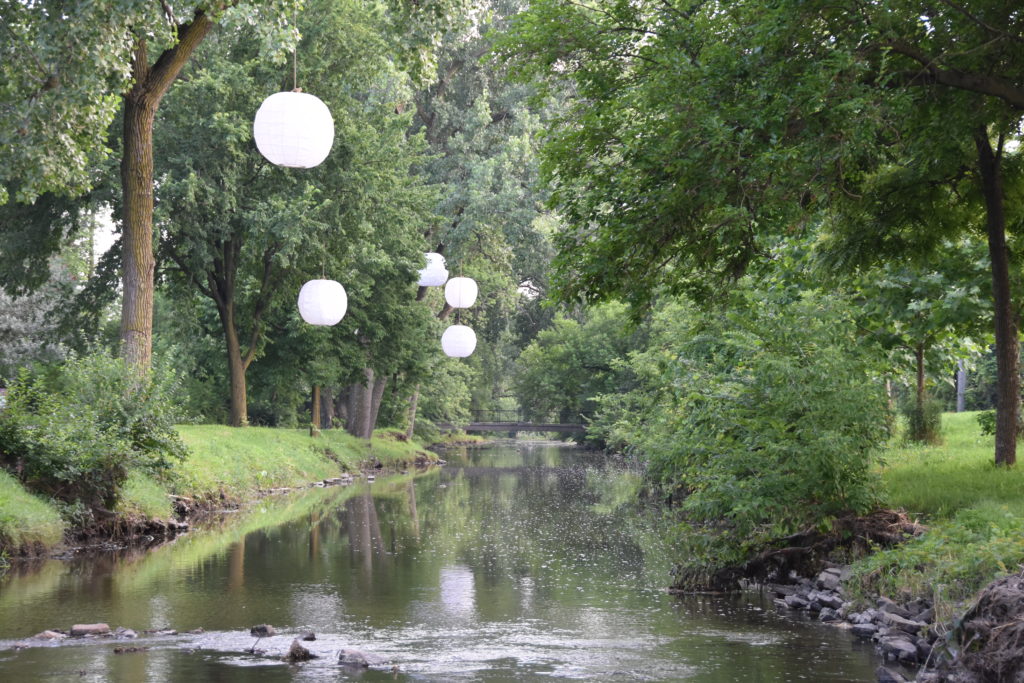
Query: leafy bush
x,y
758,422
75,430
924,423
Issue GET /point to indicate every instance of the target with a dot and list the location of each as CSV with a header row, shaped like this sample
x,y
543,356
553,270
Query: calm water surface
x,y
508,564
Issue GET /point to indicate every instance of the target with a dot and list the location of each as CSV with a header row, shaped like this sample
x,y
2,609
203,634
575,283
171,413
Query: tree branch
x,y
954,78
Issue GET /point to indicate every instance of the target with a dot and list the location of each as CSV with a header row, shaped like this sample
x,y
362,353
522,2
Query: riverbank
x,y
910,599
225,466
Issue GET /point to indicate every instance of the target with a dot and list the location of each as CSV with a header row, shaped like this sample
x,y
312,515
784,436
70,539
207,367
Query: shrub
x,y
75,430
924,423
757,422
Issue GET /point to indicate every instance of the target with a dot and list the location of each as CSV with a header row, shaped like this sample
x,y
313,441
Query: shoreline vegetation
x,y
225,466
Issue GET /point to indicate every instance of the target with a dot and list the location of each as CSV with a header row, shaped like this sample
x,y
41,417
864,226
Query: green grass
x,y
27,522
938,481
144,497
973,509
238,462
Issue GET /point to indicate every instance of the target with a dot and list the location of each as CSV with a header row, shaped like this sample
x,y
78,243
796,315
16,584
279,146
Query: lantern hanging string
x,y
295,57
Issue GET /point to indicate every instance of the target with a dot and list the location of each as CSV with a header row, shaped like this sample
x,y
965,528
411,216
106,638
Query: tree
x,y
567,367
940,312
702,132
63,81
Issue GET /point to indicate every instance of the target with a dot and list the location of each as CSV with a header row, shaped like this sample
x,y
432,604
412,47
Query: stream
x,y
511,563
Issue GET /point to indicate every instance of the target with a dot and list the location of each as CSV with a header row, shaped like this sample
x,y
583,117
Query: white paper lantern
x,y
294,129
434,275
458,341
322,302
460,292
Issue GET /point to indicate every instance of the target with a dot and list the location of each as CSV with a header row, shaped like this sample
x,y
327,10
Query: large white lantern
x,y
294,129
458,341
322,302
435,274
460,292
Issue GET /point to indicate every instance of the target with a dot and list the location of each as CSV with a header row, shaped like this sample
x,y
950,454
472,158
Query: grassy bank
x,y
224,463
974,511
27,523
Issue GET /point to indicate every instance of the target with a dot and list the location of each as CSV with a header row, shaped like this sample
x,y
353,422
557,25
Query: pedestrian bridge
x,y
512,421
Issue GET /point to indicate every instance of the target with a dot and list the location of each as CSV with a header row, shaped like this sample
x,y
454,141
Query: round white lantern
x,y
434,275
322,302
294,129
460,292
458,341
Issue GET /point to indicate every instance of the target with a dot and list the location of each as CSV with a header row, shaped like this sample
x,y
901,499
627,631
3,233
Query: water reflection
x,y
497,567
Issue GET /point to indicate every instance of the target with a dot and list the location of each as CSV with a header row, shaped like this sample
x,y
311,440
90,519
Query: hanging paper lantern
x,y
460,292
322,302
294,129
434,275
458,341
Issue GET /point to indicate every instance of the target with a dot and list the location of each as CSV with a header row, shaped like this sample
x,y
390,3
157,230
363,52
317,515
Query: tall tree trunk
x,y
961,386
239,416
314,407
411,422
150,84
361,407
919,360
326,408
1007,343
376,398
137,227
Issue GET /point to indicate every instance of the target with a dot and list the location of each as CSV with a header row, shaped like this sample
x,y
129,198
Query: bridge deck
x,y
516,427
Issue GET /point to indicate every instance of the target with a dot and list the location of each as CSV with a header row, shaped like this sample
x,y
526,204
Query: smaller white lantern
x,y
458,341
460,292
294,129
322,302
435,274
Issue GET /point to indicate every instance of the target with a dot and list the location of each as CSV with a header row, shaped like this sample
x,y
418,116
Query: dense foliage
x,y
75,431
757,422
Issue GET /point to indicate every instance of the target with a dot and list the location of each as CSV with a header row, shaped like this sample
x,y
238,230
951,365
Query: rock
x,y
796,602
128,650
307,635
781,590
122,632
779,602
906,625
898,648
827,614
262,631
887,605
924,649
197,631
828,599
864,630
828,580
886,675
356,658
927,615
80,630
50,635
297,653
